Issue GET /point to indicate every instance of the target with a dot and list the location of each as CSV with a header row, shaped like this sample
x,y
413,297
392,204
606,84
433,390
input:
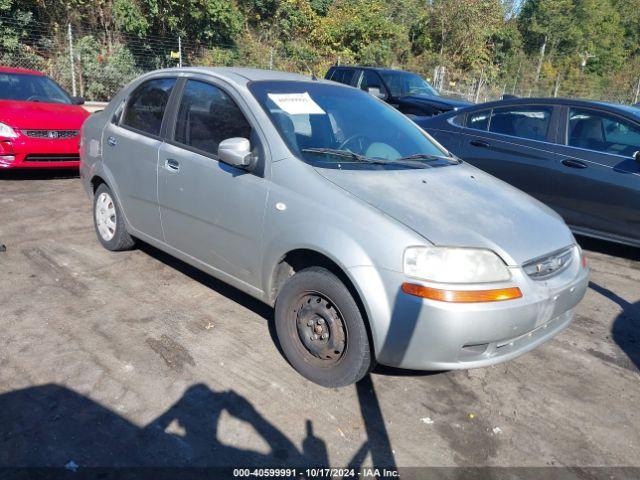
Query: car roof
x,y
24,71
558,101
239,75
377,69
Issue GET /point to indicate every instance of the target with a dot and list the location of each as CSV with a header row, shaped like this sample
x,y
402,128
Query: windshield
x,y
405,83
334,126
31,88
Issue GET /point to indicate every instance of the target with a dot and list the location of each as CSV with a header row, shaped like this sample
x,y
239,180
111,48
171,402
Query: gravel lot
x,y
120,359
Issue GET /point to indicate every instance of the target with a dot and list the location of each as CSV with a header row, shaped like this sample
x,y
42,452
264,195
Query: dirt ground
x,y
121,359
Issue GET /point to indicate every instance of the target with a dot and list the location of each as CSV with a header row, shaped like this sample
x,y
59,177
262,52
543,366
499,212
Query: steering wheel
x,y
363,141
34,98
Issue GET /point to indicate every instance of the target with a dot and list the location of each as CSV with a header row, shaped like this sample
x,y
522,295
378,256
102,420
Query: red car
x,y
39,122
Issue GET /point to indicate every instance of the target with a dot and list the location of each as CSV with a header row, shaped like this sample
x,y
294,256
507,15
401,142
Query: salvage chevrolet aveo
x,y
373,243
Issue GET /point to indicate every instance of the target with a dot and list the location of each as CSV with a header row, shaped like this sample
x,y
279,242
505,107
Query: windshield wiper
x,y
429,157
338,153
406,162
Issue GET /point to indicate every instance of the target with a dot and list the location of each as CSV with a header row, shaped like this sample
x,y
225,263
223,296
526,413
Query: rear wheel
x,y
321,329
108,221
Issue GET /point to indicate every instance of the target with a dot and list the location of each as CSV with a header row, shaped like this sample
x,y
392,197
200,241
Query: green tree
x,y
601,40
461,32
548,27
352,26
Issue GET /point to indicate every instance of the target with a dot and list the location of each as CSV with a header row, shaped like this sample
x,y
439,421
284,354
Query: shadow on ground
x,y
626,327
51,425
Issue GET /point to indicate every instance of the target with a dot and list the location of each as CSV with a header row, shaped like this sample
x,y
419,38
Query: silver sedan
x,y
373,242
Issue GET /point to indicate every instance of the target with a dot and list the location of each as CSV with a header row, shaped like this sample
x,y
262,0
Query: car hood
x,y
40,115
442,102
460,205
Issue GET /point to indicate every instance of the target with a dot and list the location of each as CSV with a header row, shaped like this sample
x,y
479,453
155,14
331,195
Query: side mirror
x,y
235,151
637,156
375,91
77,100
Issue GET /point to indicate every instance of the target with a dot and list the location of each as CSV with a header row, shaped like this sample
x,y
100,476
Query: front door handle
x,y
112,141
172,165
480,143
574,163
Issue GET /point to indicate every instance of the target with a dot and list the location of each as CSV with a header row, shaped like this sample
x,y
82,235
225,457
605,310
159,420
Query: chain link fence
x,y
96,64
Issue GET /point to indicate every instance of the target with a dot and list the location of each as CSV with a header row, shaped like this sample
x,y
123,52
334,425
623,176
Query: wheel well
x,y
96,181
297,260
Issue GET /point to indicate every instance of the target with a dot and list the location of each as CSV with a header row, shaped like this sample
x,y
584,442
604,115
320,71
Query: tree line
x,y
583,48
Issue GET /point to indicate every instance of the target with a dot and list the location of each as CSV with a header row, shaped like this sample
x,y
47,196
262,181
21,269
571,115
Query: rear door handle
x,y
172,165
480,143
574,163
112,141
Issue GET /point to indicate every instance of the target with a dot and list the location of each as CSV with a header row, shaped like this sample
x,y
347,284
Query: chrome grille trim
x,y
547,266
51,134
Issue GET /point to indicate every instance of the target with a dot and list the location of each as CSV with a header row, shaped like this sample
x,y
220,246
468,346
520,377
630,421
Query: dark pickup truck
x,y
406,91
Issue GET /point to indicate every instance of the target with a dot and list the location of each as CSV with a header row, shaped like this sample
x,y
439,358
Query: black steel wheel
x,y
321,329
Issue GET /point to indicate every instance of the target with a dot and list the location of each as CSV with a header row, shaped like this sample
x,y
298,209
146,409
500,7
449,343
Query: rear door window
x,y
605,133
207,116
522,122
145,107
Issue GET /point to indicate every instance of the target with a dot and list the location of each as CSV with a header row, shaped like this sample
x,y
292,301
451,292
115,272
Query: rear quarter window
x,y
457,120
479,120
145,107
343,75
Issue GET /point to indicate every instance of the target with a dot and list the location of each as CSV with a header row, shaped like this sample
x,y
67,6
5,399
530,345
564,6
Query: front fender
x,y
329,241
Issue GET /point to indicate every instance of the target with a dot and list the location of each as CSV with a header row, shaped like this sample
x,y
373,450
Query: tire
x,y
109,222
312,303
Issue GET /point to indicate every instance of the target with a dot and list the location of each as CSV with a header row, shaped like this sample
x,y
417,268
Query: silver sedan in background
x,y
373,243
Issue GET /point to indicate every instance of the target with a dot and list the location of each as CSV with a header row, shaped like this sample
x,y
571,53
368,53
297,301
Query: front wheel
x,y
321,330
108,221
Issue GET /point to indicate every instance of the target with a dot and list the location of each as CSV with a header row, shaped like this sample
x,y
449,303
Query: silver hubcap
x,y
106,216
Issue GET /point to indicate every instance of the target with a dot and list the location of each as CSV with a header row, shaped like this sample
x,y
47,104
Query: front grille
x,y
52,158
549,265
51,134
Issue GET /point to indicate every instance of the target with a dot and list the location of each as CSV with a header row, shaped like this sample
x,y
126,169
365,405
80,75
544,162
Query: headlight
x,y
454,265
7,132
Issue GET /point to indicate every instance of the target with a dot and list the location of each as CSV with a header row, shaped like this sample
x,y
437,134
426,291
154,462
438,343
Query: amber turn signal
x,y
462,296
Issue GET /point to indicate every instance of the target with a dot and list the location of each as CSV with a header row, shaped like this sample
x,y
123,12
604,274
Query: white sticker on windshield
x,y
296,103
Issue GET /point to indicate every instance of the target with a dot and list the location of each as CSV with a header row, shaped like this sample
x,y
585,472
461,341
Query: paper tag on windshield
x,y
296,103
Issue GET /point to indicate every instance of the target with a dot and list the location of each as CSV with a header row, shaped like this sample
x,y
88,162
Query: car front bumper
x,y
26,152
416,333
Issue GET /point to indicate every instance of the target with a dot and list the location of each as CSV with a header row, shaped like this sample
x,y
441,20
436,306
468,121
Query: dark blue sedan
x,y
579,157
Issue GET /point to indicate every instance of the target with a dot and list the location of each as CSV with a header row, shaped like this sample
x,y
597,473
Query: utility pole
x,y
271,58
515,82
73,66
557,87
543,49
480,82
637,95
179,51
